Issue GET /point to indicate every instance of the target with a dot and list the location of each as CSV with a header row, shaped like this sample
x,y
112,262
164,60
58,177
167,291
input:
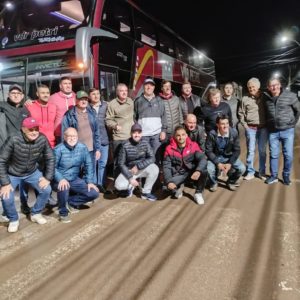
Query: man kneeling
x,y
184,158
73,191
135,160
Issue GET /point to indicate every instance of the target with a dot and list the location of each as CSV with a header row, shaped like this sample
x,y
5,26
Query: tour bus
x,y
97,43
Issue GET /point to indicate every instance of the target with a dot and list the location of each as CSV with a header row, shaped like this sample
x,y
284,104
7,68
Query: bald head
x,y
190,122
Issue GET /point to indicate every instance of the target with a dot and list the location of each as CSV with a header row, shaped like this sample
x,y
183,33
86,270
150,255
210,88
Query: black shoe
x,y
286,180
102,189
25,209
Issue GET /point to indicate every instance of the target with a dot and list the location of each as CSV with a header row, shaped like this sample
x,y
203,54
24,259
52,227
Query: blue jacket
x,y
101,115
69,162
70,120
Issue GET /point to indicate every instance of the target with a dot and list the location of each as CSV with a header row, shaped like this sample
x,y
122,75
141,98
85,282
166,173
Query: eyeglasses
x,y
16,93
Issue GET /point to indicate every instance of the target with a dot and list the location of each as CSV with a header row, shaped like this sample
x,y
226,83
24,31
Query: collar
x,y
226,135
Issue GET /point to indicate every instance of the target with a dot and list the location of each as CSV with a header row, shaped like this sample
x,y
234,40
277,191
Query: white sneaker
x,y
13,226
199,198
38,218
179,192
249,177
4,219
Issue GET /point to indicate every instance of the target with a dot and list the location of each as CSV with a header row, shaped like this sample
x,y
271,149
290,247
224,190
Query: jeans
x,y
261,136
151,173
100,169
286,138
43,195
237,169
153,141
76,195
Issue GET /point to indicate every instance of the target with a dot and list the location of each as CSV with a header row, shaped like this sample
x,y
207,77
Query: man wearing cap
x,y
136,160
149,111
19,158
84,120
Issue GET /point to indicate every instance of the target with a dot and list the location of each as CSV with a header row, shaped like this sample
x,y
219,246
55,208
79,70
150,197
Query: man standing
x,y
229,97
223,151
136,160
19,158
183,158
252,117
149,111
73,191
282,114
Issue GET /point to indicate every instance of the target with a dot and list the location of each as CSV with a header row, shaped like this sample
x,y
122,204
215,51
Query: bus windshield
x,y
27,22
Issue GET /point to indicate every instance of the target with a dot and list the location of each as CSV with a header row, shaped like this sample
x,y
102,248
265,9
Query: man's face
x,y
82,103
149,89
223,126
31,133
66,86
215,100
253,88
43,94
122,93
274,87
95,96
228,90
15,96
166,88
71,137
186,89
180,137
190,123
136,135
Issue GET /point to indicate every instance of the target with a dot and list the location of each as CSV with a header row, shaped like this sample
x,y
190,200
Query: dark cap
x,y
15,87
136,127
30,123
81,94
149,80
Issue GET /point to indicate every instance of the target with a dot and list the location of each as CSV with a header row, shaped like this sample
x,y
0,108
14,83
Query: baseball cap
x,y
15,87
149,80
136,127
81,94
30,123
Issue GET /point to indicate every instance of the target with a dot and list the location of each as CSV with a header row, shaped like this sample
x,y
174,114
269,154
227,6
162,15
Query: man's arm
x,y
110,120
121,162
5,154
49,160
149,159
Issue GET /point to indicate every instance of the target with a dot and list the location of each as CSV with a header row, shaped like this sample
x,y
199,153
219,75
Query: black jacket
x,y
134,154
197,135
232,148
19,157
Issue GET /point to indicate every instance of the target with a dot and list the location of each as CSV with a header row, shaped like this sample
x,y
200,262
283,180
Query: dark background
x,y
240,36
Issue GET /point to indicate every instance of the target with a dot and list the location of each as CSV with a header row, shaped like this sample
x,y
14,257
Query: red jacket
x,y
46,116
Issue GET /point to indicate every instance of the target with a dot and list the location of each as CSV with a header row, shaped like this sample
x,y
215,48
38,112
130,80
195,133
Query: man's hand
x,y
162,136
172,186
133,182
92,186
134,170
63,185
28,102
5,191
97,155
118,128
43,183
196,175
222,167
227,167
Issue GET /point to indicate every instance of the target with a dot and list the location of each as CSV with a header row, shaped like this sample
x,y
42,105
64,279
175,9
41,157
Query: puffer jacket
x,y
20,157
195,101
191,159
69,162
232,148
282,112
134,154
197,135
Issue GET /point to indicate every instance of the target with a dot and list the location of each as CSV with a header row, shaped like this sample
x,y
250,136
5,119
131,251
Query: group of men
x,y
186,139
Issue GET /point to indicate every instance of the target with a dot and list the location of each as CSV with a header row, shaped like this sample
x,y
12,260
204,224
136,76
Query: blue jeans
x,y
76,195
236,171
153,141
259,135
286,138
101,165
9,207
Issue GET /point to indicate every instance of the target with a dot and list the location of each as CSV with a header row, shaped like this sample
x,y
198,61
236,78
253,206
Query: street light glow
x,y
276,75
9,5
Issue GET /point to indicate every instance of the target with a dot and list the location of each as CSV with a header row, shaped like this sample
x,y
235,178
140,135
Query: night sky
x,y
239,35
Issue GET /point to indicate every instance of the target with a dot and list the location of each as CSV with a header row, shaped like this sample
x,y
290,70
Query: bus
x,y
98,43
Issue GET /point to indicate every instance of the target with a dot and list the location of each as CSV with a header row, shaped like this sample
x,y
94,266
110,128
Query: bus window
x,y
166,44
181,51
108,83
117,16
145,30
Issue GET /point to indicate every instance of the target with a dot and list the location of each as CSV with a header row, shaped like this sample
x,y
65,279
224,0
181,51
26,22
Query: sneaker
x,y
4,218
232,186
52,201
271,180
65,219
286,181
130,192
25,209
249,177
13,226
38,218
102,189
214,187
199,198
179,192
149,196
261,176
71,209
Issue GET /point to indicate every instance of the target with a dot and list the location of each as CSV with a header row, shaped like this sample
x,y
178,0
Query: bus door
x,y
108,82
